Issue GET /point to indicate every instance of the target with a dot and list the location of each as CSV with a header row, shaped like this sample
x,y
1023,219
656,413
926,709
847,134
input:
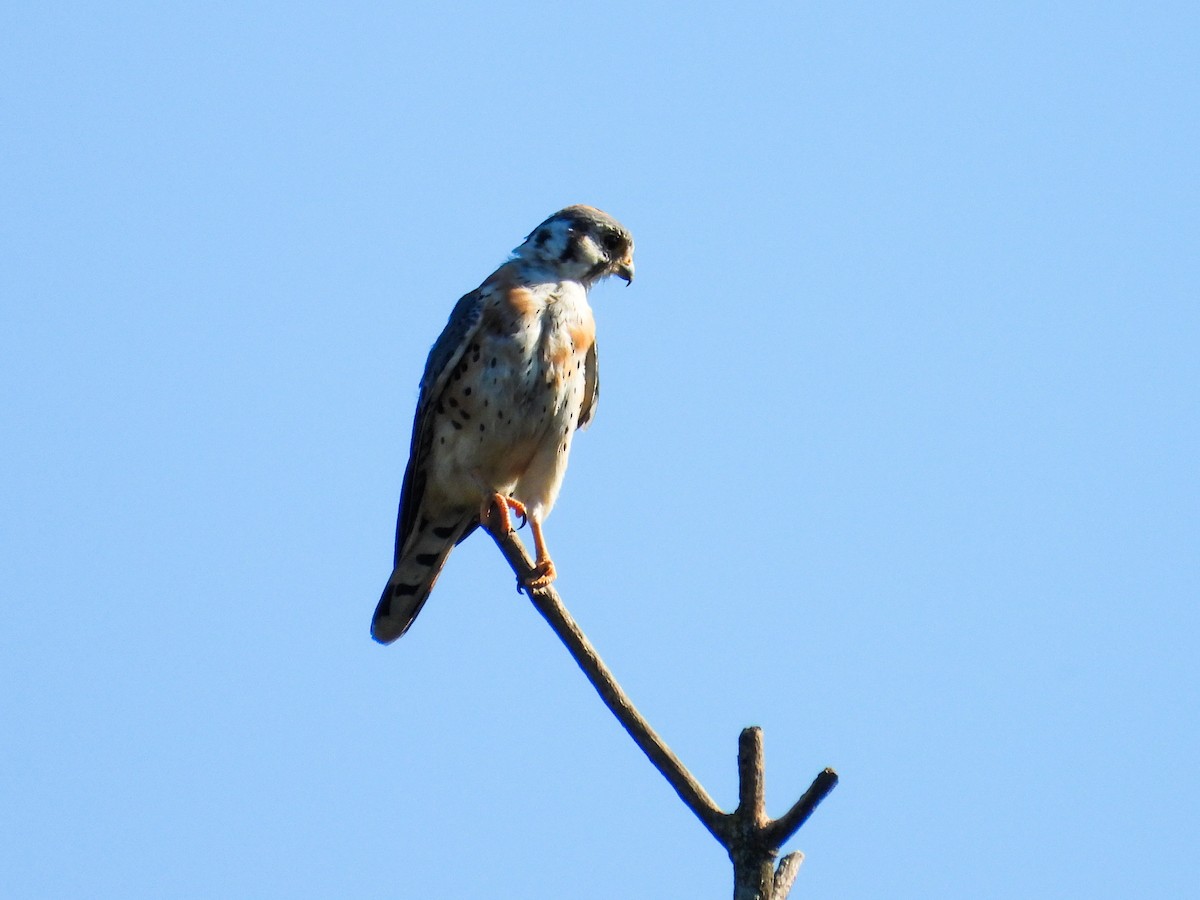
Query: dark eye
x,y
614,242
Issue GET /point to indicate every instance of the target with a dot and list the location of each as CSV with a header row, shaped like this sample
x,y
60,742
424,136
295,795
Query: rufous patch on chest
x,y
583,334
521,302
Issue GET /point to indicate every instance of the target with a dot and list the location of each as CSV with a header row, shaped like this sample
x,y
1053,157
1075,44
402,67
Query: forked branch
x,y
748,835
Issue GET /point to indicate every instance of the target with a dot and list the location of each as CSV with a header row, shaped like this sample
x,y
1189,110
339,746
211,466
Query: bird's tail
x,y
413,577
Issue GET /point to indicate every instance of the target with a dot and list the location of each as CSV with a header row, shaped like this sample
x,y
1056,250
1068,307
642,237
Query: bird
x,y
510,379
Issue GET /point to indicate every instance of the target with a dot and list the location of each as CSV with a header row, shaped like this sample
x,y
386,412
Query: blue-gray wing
x,y
448,349
446,353
591,386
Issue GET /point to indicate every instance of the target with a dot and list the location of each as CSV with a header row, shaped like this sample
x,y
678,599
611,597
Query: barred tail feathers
x,y
413,578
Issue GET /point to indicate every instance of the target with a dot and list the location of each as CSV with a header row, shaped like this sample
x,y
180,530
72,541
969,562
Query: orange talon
x,y
543,574
496,507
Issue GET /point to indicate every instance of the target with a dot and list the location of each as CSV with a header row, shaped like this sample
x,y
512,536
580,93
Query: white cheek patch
x,y
589,251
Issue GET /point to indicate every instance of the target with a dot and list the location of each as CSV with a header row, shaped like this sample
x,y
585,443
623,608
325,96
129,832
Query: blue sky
x,y
896,454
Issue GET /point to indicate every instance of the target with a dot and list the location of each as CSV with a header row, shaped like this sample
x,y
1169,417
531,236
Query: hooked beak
x,y
624,271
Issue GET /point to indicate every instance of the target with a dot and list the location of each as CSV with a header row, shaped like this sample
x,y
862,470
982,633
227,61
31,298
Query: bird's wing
x,y
446,353
591,386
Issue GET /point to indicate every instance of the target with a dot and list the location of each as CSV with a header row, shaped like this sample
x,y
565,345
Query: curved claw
x,y
494,510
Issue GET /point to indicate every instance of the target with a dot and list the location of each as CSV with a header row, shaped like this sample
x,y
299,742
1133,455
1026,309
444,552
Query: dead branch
x,y
750,837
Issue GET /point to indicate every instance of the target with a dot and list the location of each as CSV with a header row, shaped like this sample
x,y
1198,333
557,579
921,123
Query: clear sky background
x,y
896,456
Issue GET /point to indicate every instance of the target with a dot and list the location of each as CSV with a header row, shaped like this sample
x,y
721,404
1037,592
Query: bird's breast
x,y
519,386
540,338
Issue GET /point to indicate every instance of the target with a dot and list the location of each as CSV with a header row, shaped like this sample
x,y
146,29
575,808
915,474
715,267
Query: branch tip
x,y
785,875
751,782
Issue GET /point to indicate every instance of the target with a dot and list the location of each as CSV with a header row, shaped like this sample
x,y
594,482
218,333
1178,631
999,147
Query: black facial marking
x,y
542,237
571,251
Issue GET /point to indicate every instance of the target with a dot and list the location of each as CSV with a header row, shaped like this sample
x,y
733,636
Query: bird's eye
x,y
613,242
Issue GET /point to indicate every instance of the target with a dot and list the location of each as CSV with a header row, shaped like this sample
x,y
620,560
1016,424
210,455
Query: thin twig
x,y
789,823
550,605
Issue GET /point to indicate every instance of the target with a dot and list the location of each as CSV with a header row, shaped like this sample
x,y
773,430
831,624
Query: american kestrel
x,y
507,383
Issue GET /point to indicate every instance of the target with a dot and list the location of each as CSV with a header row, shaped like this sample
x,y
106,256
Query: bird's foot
x,y
542,575
494,513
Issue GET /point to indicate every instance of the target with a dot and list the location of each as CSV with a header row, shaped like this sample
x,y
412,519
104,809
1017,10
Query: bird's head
x,y
580,243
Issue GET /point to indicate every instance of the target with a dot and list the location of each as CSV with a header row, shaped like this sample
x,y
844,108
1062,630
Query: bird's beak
x,y
624,271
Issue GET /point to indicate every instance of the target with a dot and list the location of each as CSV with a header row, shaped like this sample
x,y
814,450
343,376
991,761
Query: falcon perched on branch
x,y
511,377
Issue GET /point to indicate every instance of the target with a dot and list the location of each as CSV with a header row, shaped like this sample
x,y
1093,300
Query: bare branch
x,y
550,605
751,838
789,823
785,875
752,805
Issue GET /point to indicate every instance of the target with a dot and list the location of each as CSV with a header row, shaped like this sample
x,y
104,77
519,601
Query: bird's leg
x,y
496,506
543,568
493,514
